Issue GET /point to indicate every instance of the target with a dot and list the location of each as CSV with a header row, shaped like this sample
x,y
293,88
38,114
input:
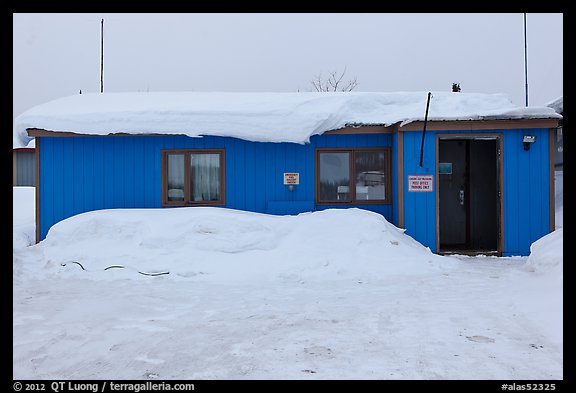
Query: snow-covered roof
x,y
263,117
557,104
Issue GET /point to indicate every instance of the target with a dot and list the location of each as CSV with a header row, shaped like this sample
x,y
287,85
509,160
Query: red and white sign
x,y
292,178
420,183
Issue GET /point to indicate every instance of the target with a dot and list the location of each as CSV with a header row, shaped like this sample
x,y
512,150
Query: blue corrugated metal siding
x,y
420,207
80,174
525,188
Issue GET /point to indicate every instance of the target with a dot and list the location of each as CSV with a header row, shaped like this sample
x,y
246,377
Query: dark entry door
x,y
469,201
453,188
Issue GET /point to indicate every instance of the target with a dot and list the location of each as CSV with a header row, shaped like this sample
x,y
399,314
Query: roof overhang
x,y
498,124
444,125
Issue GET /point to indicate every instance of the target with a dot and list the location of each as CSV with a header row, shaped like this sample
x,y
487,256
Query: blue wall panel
x,y
58,180
526,190
108,169
511,184
63,190
118,168
420,207
138,177
87,164
238,192
80,174
47,199
98,173
522,198
249,172
260,178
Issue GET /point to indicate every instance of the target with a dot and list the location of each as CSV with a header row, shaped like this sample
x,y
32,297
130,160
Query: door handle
x,y
461,197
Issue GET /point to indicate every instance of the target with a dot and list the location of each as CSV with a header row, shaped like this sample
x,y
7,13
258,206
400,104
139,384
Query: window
x,y
193,177
353,176
24,167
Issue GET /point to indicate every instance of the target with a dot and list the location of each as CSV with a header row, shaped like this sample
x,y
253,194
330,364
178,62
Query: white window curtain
x,y
205,177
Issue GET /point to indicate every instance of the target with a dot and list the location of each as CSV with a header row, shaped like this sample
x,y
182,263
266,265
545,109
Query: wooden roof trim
x,y
364,130
448,125
34,132
445,125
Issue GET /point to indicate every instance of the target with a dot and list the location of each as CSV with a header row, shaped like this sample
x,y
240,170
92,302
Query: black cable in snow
x,y
79,264
114,267
154,274
120,267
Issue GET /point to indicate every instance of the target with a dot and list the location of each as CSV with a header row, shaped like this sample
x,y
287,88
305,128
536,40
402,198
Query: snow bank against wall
x,y
546,254
224,244
23,216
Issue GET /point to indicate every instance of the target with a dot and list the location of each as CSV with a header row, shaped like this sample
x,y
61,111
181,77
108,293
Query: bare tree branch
x,y
333,82
351,85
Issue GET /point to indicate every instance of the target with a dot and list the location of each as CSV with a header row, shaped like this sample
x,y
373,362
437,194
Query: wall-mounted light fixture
x,y
527,140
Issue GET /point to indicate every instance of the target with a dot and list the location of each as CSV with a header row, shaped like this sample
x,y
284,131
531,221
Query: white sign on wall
x,y
291,178
420,183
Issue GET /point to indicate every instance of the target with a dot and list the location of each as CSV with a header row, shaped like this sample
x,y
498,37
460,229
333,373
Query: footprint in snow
x,y
480,339
319,351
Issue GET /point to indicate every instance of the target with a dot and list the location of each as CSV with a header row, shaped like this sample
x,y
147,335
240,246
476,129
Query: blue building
x,y
486,183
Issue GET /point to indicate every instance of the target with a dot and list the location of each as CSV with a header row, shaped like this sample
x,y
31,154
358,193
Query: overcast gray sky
x,y
56,55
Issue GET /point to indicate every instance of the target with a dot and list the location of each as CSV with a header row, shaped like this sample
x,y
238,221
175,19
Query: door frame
x,y
499,143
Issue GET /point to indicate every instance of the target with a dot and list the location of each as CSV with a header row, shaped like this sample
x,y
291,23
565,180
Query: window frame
x,y
187,200
352,181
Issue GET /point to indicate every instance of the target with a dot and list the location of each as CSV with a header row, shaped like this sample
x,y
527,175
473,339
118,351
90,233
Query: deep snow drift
x,y
233,245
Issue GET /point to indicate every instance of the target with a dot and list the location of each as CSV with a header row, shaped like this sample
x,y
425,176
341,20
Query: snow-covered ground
x,y
336,294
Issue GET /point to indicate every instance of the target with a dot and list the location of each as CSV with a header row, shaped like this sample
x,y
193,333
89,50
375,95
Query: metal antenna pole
x,y
102,56
525,59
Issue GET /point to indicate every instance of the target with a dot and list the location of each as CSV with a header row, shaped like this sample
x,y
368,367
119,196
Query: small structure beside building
x,y
24,165
486,183
558,106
